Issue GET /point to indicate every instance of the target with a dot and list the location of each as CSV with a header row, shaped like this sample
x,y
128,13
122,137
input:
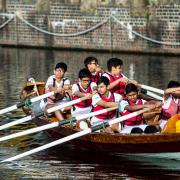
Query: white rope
x,y
144,37
64,35
10,16
86,31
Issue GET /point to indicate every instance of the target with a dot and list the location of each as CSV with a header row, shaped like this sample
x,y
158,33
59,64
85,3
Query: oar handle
x,y
38,98
123,118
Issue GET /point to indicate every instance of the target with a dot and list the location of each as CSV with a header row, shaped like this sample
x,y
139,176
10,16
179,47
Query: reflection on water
x,y
65,162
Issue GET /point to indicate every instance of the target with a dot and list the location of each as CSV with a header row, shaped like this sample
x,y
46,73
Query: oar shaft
x,y
54,143
160,91
30,131
73,136
85,116
55,124
25,119
154,95
21,104
38,98
8,109
40,114
151,89
53,109
123,118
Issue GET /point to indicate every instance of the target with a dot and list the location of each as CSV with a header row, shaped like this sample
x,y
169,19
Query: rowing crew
x,y
108,89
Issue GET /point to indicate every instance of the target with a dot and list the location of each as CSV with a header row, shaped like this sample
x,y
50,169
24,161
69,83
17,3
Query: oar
x,y
151,94
150,89
50,110
21,104
154,95
56,124
156,90
76,135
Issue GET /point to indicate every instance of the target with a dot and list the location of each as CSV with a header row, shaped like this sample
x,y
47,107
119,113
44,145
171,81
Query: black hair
x,y
84,73
104,80
114,62
89,59
61,65
173,84
131,88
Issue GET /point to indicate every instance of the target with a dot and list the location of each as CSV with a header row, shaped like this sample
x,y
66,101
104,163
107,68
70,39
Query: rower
x,y
132,103
105,99
91,63
171,104
117,80
59,84
84,87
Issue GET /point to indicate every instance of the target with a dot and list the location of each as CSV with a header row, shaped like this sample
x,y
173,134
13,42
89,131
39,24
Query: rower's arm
x,y
106,104
80,94
173,91
139,107
56,90
116,82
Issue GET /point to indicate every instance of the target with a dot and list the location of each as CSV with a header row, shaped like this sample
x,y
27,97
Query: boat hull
x,y
117,143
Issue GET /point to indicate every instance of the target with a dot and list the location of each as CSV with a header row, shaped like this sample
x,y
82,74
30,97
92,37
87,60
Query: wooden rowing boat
x,y
115,143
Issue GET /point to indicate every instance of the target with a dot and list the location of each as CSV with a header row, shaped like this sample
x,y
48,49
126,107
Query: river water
x,y
64,162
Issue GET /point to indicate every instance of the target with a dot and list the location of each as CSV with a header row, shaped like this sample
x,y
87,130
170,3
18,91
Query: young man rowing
x,y
81,89
59,84
105,99
131,104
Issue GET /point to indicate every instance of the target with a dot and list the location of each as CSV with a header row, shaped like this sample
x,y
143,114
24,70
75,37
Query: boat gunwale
x,y
118,138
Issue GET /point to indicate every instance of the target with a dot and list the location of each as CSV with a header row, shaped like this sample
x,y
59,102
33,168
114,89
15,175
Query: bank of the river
x,y
135,27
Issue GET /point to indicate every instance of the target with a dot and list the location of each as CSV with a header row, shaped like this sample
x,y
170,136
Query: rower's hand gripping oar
x,y
56,124
21,104
50,110
76,135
